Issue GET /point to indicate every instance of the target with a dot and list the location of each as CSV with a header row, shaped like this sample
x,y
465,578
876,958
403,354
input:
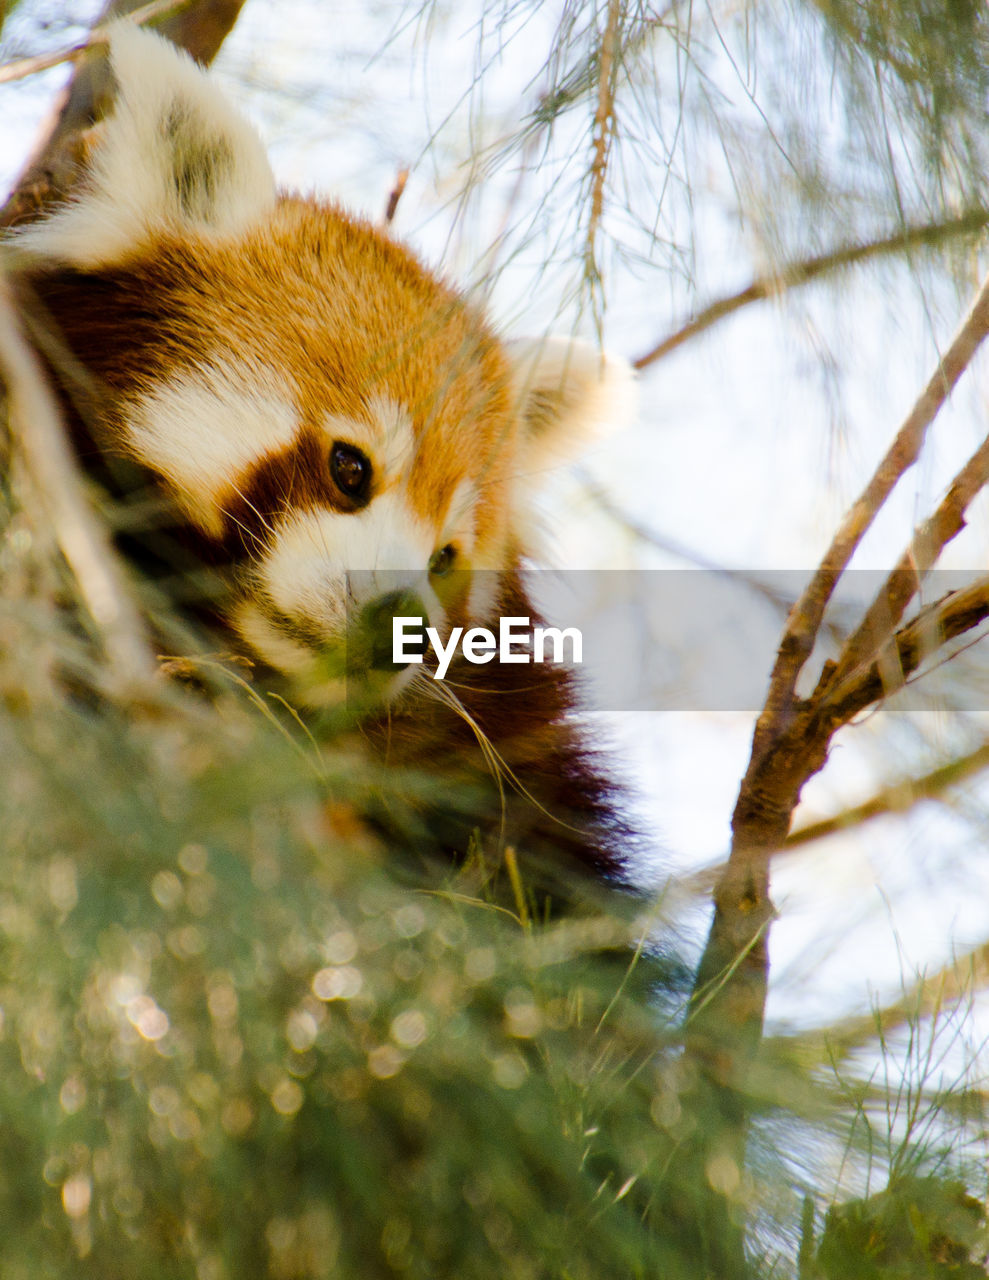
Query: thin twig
x,y
795,274
956,614
898,798
604,123
38,433
396,193
965,976
24,67
603,116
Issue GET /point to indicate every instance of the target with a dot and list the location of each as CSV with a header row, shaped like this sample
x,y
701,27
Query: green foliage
x,y
243,1036
233,1045
919,1228
236,1042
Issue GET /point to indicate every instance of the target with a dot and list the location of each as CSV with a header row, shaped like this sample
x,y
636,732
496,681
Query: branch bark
x,y
904,581
21,68
898,798
807,614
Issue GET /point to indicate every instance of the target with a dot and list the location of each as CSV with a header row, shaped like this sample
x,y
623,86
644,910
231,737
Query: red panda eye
x,y
350,469
441,562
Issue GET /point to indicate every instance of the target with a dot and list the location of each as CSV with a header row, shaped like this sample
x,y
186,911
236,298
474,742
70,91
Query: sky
x,y
747,445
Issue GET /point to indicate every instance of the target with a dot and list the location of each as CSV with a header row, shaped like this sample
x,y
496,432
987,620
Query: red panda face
x,y
299,382
349,418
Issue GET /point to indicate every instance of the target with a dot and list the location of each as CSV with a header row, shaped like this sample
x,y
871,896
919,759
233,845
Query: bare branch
x,y
795,274
964,977
904,580
898,798
790,744
38,433
953,616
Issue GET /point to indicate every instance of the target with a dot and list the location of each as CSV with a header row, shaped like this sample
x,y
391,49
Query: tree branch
x,y
955,614
904,580
790,744
963,978
805,618
898,798
795,274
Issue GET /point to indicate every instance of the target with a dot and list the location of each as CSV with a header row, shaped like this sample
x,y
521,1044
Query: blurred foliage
x,y
918,1228
240,1037
243,1035
234,1045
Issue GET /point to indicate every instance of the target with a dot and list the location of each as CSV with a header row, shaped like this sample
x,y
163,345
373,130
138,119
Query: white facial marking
x,y
174,156
386,436
270,641
384,547
202,429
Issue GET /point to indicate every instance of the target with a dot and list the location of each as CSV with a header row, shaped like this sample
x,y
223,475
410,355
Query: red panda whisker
x,y
496,765
245,529
259,542
443,693
247,502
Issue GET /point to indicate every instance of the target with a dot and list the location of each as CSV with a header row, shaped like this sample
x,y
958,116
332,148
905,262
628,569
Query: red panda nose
x,y
375,630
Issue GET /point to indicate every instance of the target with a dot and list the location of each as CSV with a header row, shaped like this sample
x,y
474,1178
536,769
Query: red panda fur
x,y
233,338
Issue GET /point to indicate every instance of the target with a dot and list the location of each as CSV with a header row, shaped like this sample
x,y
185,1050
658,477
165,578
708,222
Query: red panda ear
x,y
567,392
174,157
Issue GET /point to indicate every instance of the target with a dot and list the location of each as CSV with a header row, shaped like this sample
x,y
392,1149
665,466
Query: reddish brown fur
x,y
133,326
347,314
335,320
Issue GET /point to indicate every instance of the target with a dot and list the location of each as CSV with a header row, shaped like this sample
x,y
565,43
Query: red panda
x,y
337,429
